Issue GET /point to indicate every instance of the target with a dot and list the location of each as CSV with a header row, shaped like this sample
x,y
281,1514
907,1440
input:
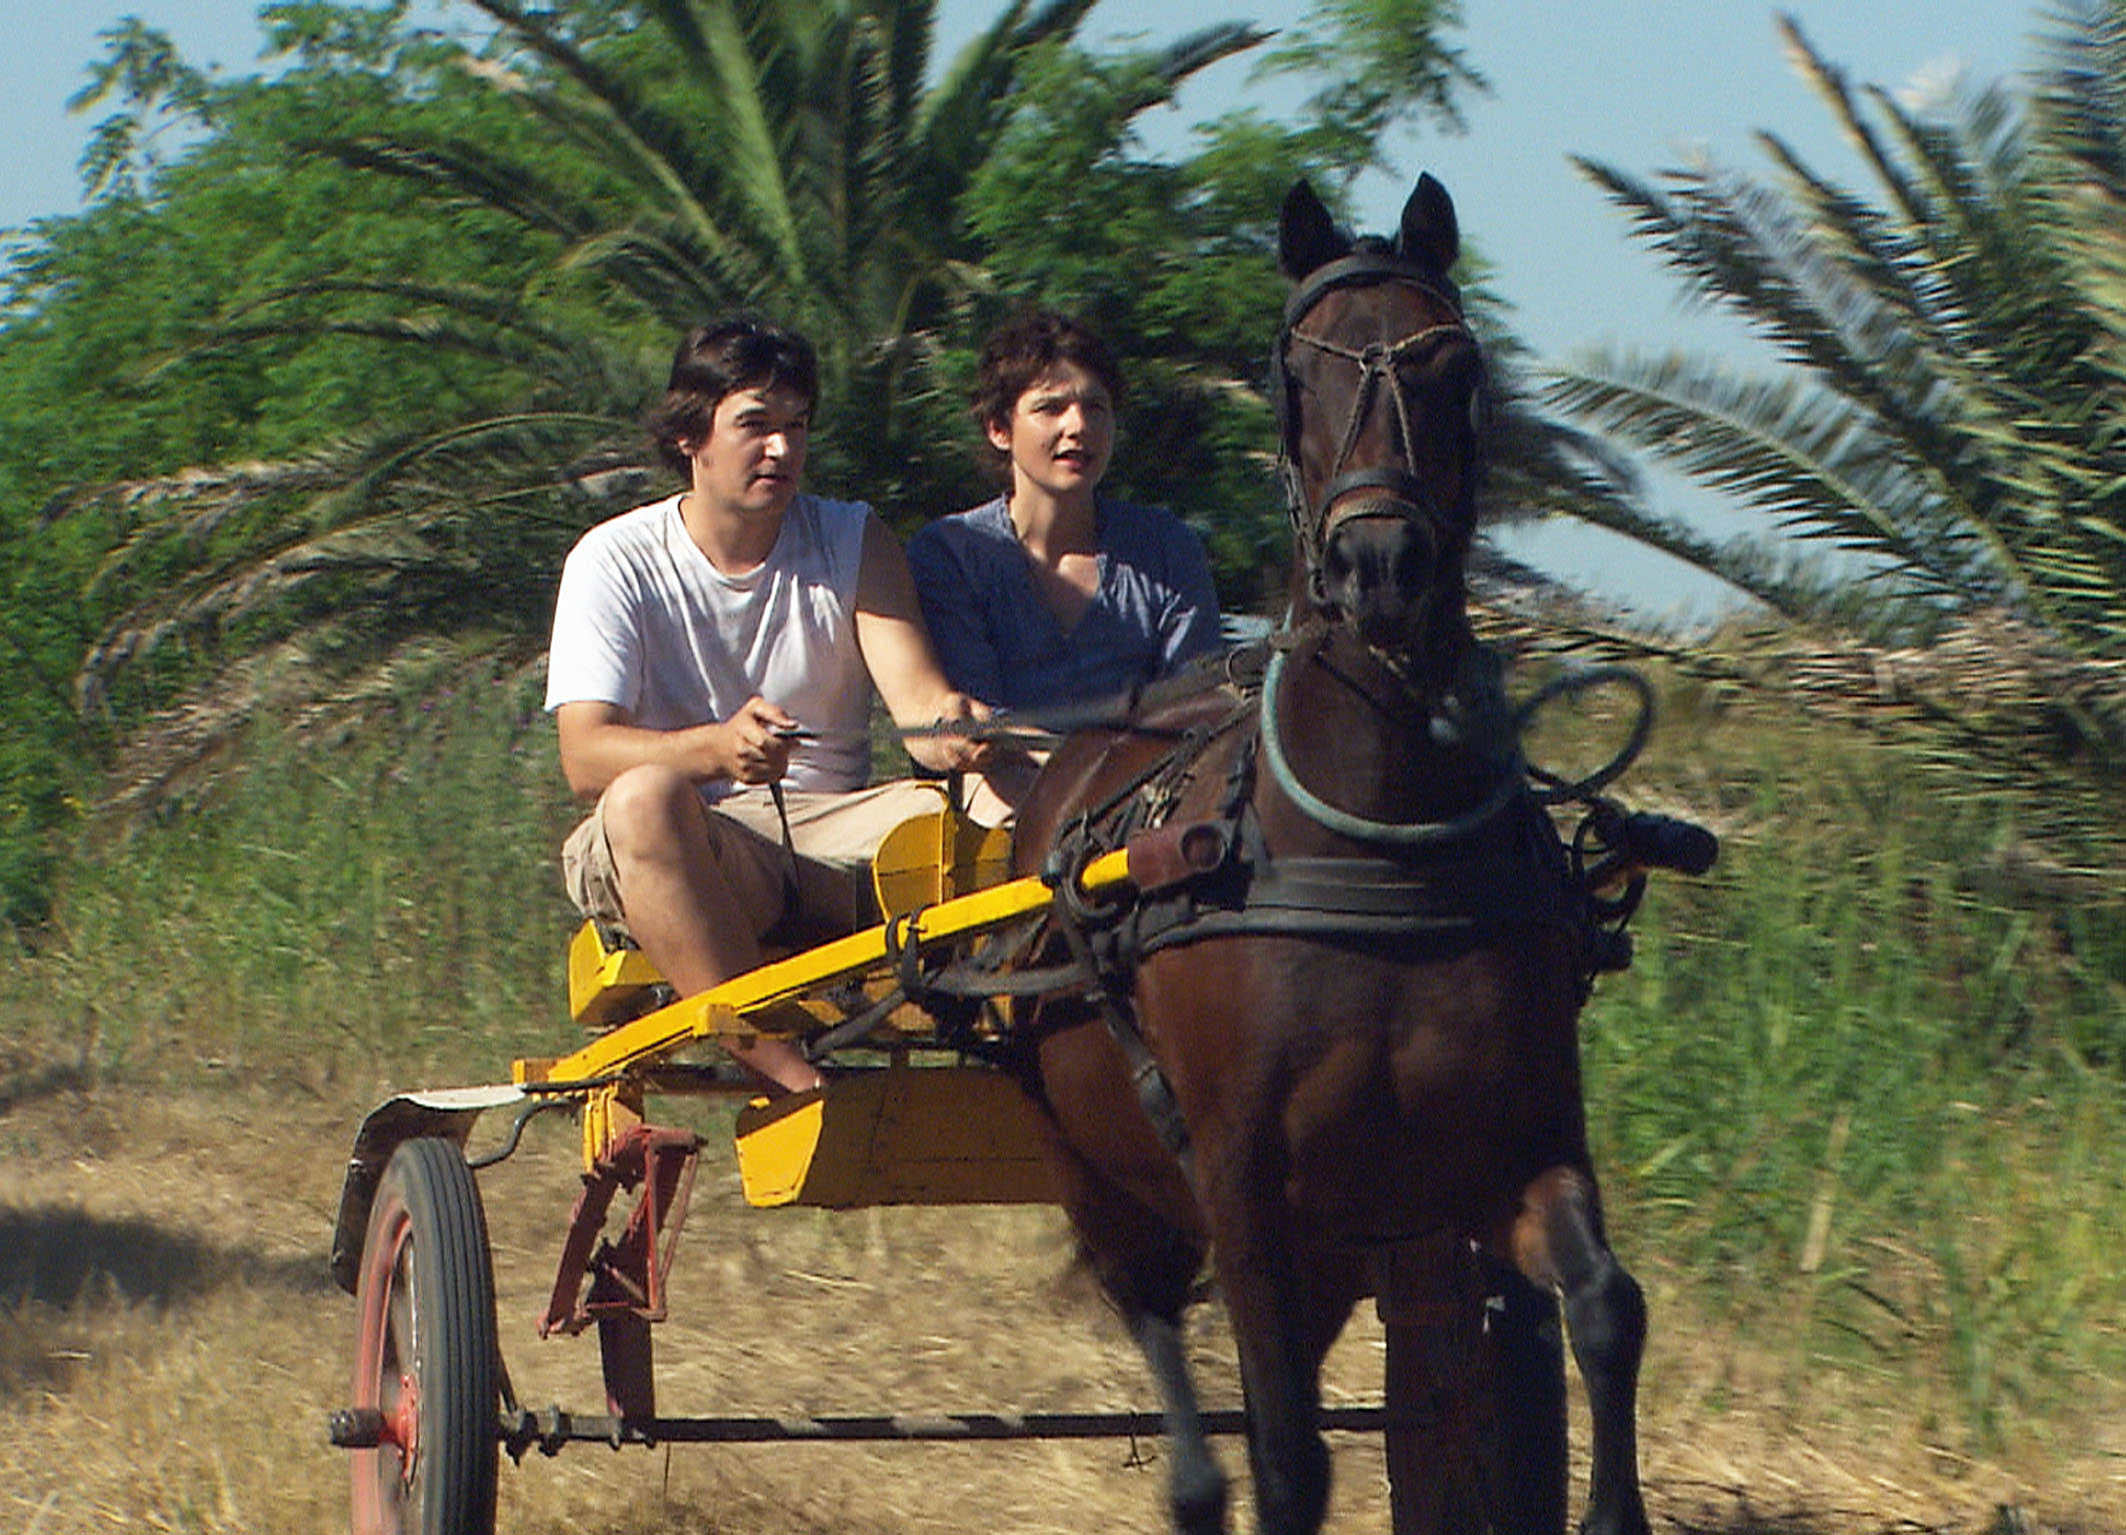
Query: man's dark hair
x,y
713,360
1015,356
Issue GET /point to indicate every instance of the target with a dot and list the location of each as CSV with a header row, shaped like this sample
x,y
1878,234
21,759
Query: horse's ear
x,y
1306,236
1431,236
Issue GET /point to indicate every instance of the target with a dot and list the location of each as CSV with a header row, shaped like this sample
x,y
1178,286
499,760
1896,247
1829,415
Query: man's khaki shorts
x,y
834,835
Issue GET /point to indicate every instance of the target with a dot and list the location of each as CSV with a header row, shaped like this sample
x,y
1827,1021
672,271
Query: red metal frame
x,y
627,1276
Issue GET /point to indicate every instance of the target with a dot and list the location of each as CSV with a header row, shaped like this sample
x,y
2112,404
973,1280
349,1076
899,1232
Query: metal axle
x,y
550,1429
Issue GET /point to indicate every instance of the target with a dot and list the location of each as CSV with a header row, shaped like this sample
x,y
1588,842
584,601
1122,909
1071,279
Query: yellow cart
x,y
431,1408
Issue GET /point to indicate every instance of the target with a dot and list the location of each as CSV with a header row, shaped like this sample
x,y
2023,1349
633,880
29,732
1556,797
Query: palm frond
x,y
181,753
366,515
658,146
660,265
1814,462
1187,56
468,171
1950,413
2080,94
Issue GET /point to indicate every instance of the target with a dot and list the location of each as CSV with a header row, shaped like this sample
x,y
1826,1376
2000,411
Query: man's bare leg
x,y
682,908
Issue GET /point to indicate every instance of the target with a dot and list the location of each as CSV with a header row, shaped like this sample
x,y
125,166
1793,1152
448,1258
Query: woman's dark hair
x,y
713,360
1015,356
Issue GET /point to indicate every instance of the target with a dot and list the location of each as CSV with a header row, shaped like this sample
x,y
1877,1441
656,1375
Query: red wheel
x,y
425,1356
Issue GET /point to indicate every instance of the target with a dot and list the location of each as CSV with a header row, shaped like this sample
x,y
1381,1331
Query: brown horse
x,y
1335,1046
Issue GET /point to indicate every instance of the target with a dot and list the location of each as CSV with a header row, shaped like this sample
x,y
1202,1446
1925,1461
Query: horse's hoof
x,y
1201,1511
1630,1521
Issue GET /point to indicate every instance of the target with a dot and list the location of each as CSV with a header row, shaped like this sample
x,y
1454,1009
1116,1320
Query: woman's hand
x,y
944,750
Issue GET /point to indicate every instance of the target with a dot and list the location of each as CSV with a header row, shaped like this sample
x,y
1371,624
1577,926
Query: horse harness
x,y
1193,880
1217,877
1500,866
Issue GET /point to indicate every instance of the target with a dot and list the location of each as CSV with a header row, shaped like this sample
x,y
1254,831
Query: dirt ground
x,y
171,1341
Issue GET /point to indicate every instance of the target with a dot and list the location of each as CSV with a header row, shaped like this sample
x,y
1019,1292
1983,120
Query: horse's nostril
x,y
1415,562
1336,562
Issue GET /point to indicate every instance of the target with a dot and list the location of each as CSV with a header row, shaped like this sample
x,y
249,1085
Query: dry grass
x,y
170,1343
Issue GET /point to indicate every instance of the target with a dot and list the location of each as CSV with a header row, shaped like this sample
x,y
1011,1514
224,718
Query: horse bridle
x,y
1403,496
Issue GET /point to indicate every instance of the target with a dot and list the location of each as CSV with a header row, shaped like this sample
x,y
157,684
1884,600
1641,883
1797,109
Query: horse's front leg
x,y
1475,1392
1196,1486
1136,1223
1286,1312
1527,1353
1558,1243
1286,1452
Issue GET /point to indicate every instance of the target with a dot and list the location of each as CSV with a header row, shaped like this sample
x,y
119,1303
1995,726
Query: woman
x,y
1052,595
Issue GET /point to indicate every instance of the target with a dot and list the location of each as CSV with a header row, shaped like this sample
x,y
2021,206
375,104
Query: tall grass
x,y
390,908
1863,1085
1859,1096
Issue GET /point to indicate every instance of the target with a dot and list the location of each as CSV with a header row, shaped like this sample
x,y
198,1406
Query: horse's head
x,y
1380,392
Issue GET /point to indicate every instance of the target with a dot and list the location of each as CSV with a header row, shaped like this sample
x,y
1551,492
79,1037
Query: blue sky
x,y
1635,83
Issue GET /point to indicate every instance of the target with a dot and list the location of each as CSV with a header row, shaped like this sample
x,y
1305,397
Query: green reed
x,y
1858,1097
1863,1085
390,908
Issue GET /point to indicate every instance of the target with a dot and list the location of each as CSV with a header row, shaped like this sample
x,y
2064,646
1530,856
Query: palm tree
x,y
1951,416
650,163
633,165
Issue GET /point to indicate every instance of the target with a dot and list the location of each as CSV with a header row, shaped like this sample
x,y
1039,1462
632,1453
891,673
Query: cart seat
x,y
609,979
926,859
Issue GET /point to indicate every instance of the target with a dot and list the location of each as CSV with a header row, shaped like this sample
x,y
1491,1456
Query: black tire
x,y
425,1351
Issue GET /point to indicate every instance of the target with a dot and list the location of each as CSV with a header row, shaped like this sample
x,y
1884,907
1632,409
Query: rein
x,y
1512,780
1516,774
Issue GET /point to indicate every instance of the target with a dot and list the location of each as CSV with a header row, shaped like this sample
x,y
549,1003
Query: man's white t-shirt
x,y
645,621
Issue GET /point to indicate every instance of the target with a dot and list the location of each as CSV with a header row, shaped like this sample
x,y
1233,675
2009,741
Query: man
x,y
711,671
